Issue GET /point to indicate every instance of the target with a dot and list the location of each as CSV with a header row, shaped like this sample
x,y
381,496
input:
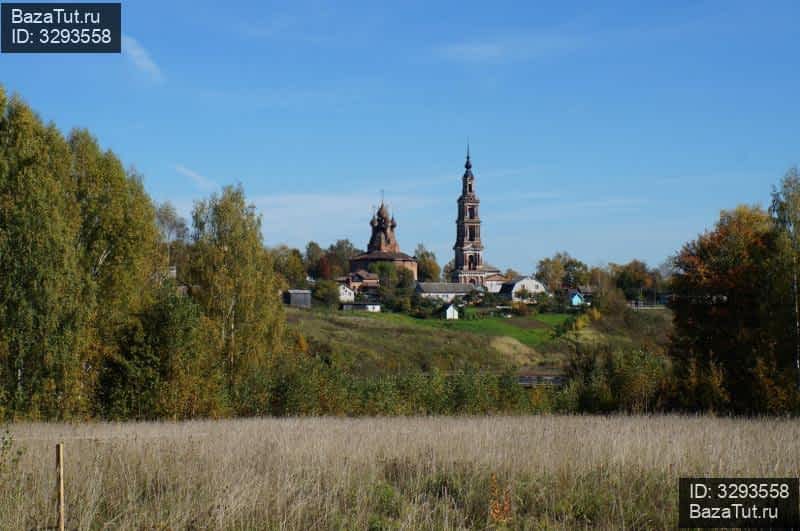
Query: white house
x,y
451,312
494,282
346,294
512,288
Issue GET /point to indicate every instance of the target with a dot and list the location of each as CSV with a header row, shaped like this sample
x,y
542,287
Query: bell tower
x,y
468,247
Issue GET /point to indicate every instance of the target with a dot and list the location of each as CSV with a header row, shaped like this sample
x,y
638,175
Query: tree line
x,y
94,324
91,322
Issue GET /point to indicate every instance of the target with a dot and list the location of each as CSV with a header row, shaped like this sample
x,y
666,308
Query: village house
x,y
494,282
360,281
444,291
588,294
576,297
522,289
346,294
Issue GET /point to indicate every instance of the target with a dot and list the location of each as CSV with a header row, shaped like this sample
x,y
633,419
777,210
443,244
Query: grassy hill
x,y
371,344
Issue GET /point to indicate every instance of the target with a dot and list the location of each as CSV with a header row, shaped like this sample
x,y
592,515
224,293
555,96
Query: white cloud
x,y
140,58
201,181
510,47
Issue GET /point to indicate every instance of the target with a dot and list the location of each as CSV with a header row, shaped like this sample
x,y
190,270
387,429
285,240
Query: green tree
x,y
45,365
723,313
634,279
562,271
397,286
427,267
404,290
174,234
447,271
119,233
313,255
785,211
338,257
550,272
524,295
388,276
162,368
576,273
122,252
289,265
238,290
326,292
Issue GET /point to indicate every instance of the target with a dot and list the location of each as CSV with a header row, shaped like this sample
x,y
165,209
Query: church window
x,y
471,213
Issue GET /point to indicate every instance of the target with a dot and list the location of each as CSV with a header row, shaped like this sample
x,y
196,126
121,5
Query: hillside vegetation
x,y
369,344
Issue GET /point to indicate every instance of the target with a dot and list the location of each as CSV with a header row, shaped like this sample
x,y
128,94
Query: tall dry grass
x,y
407,473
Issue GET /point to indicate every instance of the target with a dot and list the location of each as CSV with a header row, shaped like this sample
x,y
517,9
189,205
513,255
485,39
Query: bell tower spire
x,y
469,266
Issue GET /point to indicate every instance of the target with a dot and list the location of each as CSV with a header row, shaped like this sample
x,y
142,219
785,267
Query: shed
x,y
451,312
297,298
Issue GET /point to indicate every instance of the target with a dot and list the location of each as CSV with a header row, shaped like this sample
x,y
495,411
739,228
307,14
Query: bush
x,y
631,380
326,292
575,323
520,308
8,457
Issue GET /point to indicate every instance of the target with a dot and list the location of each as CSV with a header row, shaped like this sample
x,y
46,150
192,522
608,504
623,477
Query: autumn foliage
x,y
732,342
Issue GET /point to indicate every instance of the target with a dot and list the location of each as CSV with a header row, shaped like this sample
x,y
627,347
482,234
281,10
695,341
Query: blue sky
x,y
612,130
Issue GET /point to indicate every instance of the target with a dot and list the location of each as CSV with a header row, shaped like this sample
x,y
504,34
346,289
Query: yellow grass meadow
x,y
533,472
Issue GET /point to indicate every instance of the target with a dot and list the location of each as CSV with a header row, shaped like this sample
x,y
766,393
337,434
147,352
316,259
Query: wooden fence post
x,y
60,480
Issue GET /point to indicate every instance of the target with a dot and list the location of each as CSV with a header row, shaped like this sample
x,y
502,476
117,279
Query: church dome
x,y
383,212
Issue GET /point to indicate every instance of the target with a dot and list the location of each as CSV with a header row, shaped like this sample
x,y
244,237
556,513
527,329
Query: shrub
x,y
326,292
632,380
8,457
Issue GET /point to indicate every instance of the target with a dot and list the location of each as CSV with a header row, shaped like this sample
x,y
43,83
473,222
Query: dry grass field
x,y
545,472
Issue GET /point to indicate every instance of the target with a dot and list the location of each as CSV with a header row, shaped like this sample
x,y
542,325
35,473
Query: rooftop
x,y
445,287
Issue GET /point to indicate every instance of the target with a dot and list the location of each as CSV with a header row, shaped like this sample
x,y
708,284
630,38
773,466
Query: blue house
x,y
575,298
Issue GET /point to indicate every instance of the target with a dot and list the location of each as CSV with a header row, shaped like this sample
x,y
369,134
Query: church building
x,y
383,246
469,265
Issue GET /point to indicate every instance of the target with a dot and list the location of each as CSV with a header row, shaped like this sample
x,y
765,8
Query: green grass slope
x,y
371,344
